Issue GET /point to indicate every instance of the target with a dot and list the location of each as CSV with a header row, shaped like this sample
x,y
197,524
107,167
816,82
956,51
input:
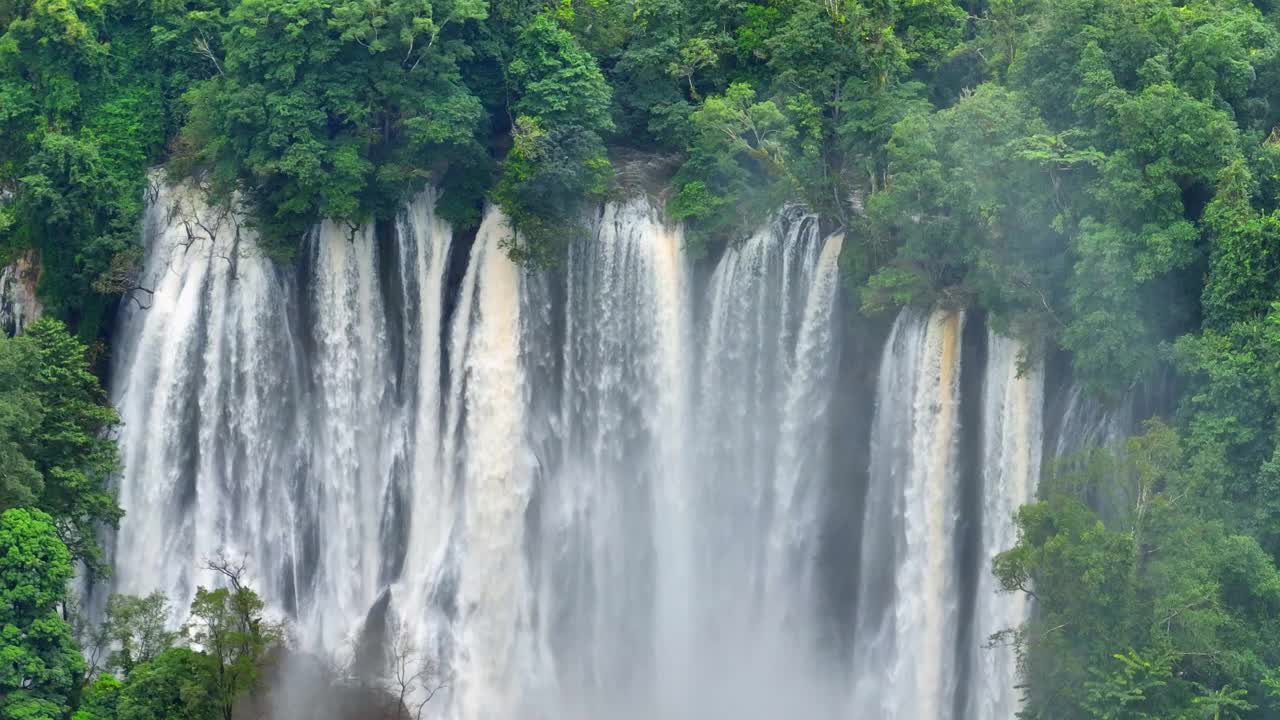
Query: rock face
x,y
19,306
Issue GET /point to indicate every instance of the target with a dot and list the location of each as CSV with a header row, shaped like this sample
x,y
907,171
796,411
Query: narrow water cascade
x,y
1012,439
19,302
355,442
799,470
753,637
597,492
1087,423
907,621
612,497
488,479
423,488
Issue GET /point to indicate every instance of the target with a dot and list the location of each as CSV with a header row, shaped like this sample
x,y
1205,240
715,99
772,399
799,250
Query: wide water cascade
x,y
600,492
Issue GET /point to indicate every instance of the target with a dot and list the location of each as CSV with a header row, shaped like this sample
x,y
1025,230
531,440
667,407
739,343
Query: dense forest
x,y
1102,176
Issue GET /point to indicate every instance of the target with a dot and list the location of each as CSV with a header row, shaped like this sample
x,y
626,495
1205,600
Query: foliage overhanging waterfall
x,y
600,491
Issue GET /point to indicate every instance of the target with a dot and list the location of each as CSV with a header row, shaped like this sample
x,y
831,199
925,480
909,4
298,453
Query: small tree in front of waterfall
x,y
230,626
137,630
388,668
415,677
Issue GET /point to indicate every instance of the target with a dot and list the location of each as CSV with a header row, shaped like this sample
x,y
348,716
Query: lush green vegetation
x,y
56,459
55,451
1100,175
1165,611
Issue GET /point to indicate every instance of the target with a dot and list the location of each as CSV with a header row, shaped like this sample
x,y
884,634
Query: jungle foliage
x,y
1099,176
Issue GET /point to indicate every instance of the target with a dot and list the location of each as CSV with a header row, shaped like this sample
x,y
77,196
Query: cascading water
x,y
655,547
611,463
355,437
600,492
19,303
485,457
1087,423
622,538
1013,401
212,397
262,418
907,620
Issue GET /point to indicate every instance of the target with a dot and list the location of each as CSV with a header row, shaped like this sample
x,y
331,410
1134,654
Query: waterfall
x,y
755,485
428,255
1088,423
807,397
353,445
261,414
658,551
907,617
1012,404
603,491
209,387
612,494
489,478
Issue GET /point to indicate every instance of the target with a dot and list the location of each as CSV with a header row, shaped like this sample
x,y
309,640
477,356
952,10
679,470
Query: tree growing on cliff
x,y
55,432
334,109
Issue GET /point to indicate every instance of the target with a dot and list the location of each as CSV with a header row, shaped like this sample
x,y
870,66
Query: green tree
x,y
973,212
72,447
83,114
557,159
1157,613
739,168
40,666
333,109
20,412
177,684
55,427
136,628
100,700
229,625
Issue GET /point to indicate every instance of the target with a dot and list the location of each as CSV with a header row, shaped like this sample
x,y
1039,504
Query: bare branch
x,y
233,570
203,47
415,679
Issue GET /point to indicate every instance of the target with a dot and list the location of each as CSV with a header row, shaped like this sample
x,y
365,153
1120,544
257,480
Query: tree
x,y
100,700
415,678
1157,613
739,168
84,114
229,626
973,212
557,159
71,447
40,666
177,684
20,413
136,629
